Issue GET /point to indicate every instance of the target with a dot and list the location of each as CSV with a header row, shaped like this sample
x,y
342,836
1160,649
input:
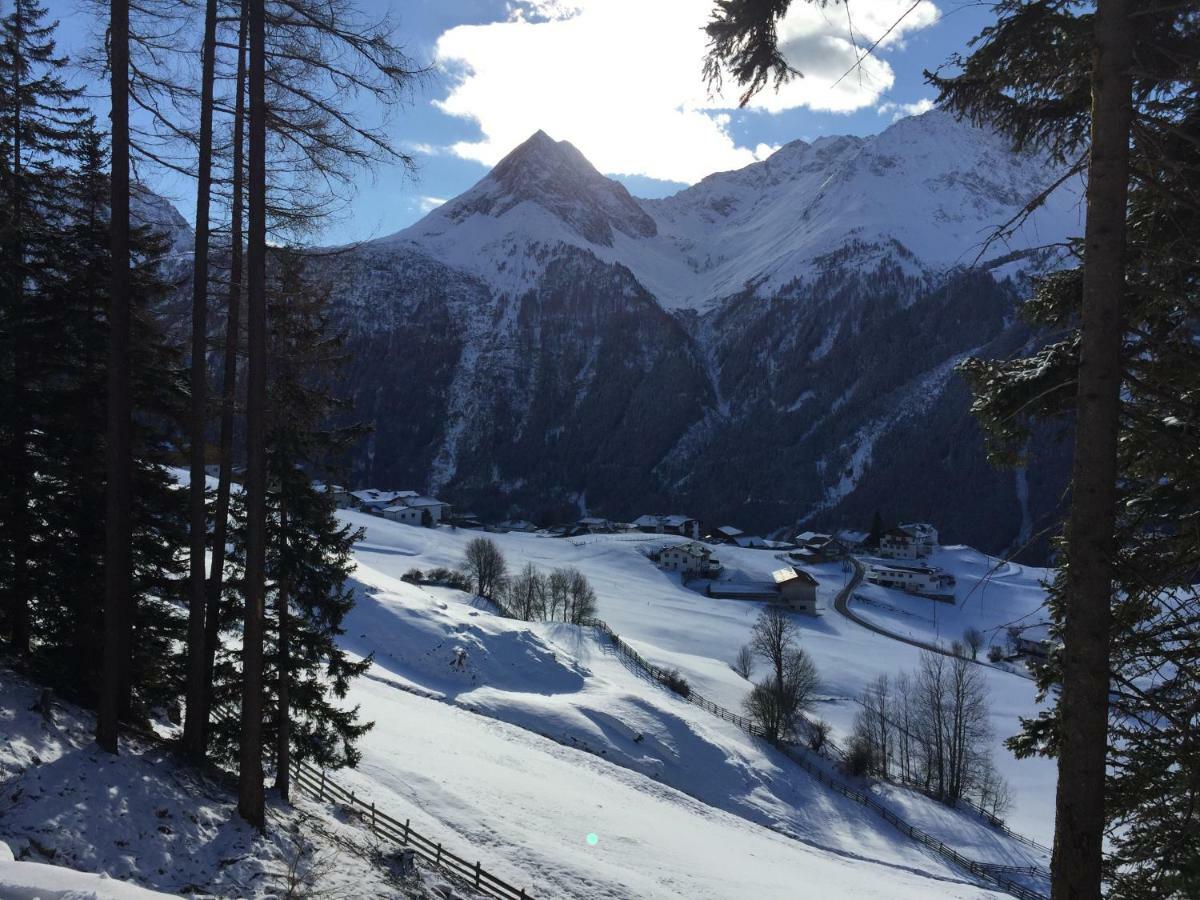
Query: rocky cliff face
x,y
772,346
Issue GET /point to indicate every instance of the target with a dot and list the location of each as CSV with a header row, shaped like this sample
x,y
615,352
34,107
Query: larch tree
x,y
250,763
118,563
195,726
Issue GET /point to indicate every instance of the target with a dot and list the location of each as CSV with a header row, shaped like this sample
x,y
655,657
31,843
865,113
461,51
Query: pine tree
x,y
38,113
71,327
309,552
1144,698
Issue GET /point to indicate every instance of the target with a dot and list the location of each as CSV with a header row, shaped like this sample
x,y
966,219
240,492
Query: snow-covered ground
x,y
84,825
533,748
990,594
561,682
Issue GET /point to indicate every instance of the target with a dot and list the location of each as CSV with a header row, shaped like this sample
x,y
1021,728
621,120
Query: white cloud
x,y
621,79
420,148
428,203
900,110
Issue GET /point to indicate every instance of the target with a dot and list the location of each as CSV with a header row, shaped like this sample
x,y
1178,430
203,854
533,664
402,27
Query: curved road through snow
x,y
842,604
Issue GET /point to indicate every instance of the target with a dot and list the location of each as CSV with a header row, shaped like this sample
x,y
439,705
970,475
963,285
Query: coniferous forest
x,y
101,400
218,600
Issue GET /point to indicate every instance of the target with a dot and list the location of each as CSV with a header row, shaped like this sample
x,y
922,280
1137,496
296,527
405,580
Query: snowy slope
x,y
927,191
83,824
433,647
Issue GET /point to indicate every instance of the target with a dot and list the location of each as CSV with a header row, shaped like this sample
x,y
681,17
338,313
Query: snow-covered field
x,y
649,755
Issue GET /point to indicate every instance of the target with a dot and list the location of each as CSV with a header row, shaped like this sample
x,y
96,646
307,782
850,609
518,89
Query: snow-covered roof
x,y
691,548
901,567
373,495
424,501
786,574
730,531
593,520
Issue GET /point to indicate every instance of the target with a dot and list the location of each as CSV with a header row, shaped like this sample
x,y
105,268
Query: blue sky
x,y
621,80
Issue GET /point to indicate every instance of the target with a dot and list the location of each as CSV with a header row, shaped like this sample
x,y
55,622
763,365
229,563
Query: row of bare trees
x,y
930,728
274,86
562,595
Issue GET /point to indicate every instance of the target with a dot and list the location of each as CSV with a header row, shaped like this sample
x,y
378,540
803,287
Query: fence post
x,y
322,797
406,831
373,815
476,873
439,854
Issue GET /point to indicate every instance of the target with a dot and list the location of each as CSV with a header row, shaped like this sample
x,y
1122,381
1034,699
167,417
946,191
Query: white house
x,y
927,581
914,541
400,513
408,507
691,559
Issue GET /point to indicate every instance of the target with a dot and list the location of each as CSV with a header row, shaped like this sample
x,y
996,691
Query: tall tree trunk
x,y
216,577
19,525
118,556
283,736
195,726
250,773
1083,705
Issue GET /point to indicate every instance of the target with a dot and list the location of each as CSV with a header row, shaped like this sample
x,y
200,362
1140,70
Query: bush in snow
x,y
858,757
450,578
413,576
818,735
676,682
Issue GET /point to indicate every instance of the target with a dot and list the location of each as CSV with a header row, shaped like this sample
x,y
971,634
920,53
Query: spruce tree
x,y
71,329
309,551
38,115
1146,779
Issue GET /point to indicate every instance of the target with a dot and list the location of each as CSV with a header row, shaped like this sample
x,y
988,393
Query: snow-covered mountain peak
x,y
557,179
925,193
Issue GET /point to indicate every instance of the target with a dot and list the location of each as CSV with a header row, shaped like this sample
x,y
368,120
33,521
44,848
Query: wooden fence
x,y
318,785
1001,876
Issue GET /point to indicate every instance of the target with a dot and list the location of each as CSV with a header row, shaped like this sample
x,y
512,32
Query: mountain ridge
x,y
778,349
763,225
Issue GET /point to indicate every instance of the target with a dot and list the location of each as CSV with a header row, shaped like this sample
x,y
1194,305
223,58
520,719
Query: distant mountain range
x,y
773,346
